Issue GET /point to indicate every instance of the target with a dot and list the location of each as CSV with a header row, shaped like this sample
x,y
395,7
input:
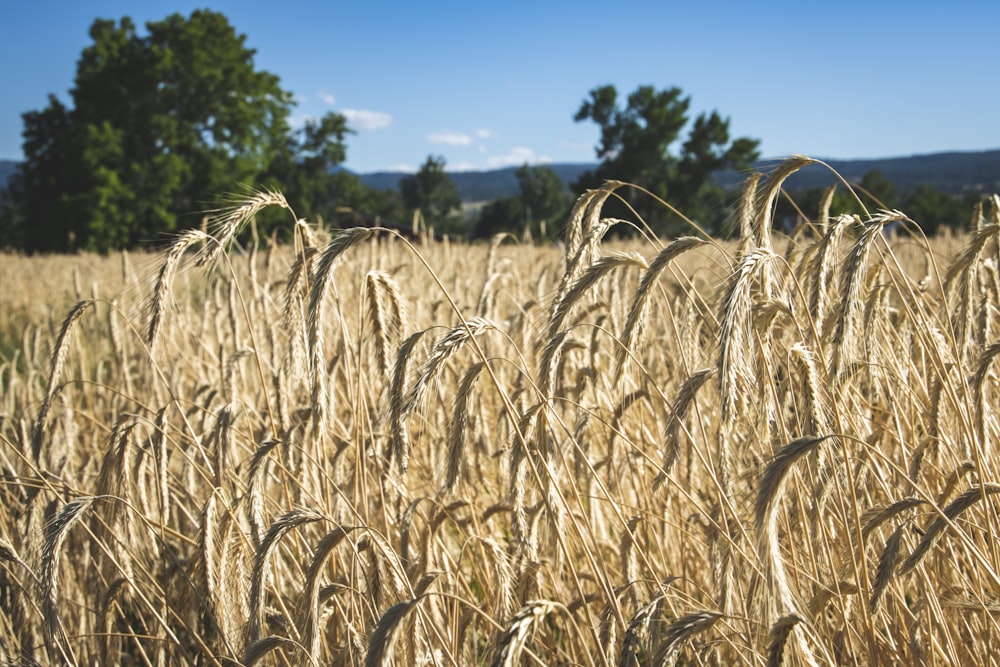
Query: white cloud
x,y
408,168
328,99
516,156
450,138
483,133
363,119
462,166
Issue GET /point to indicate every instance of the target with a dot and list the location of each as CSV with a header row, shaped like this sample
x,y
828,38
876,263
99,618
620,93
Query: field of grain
x,y
358,449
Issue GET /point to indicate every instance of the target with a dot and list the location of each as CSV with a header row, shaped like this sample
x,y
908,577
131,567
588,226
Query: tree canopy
x,y
542,200
160,125
432,191
638,145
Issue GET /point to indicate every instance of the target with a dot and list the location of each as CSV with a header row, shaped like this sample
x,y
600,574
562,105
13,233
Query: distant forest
x,y
954,173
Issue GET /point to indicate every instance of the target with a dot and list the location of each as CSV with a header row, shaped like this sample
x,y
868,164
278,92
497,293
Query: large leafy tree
x,y
639,144
159,126
432,191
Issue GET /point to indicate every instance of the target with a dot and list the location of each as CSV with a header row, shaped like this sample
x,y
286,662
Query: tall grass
x,y
777,450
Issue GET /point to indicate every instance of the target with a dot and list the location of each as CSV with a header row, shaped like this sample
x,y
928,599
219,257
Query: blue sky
x,y
487,85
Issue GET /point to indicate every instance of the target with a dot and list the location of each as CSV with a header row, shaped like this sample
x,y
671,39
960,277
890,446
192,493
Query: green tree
x,y
302,169
879,190
933,209
12,227
543,194
160,126
433,192
637,145
542,200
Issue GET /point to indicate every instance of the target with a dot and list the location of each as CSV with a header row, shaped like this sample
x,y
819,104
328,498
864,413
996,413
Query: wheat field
x,y
357,449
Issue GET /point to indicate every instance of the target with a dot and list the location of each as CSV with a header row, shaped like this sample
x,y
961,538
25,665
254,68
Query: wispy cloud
x,y
327,99
363,119
483,133
517,155
408,168
450,138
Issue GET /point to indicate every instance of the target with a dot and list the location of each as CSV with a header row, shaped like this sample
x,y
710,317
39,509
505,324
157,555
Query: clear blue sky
x,y
489,84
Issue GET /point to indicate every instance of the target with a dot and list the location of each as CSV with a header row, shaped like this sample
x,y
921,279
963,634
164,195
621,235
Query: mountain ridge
x,y
954,172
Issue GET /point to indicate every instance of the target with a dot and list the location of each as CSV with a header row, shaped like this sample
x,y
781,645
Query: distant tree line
x,y
161,125
930,208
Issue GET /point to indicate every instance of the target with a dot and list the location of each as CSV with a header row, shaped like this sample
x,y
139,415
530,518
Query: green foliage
x,y
433,192
879,189
541,203
927,206
505,214
160,125
12,226
637,146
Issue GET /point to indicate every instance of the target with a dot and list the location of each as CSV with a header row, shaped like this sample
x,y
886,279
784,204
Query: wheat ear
x,y
445,348
55,536
936,530
887,565
736,347
386,314
55,370
228,222
681,631
258,579
316,316
459,425
515,637
678,413
778,637
263,646
387,630
310,604
638,312
165,279
586,281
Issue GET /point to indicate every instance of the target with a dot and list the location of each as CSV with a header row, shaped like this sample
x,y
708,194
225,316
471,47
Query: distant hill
x,y
475,186
953,172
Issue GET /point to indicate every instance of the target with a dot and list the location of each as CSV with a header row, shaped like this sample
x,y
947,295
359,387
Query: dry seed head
x,y
55,536
386,634
678,413
771,187
638,312
228,222
309,610
887,565
55,370
263,646
516,636
774,476
874,517
736,366
258,579
444,349
778,639
587,280
936,530
681,631
824,263
459,425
